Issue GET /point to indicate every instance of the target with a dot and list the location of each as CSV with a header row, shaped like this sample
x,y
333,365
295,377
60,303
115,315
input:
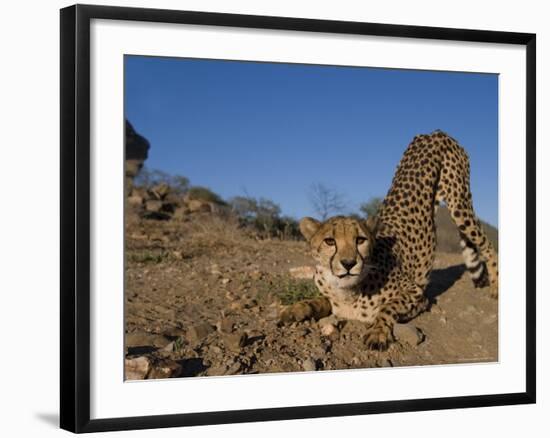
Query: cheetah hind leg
x,y
475,266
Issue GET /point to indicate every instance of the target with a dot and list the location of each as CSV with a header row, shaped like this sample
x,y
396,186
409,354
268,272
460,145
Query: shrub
x,y
148,178
204,194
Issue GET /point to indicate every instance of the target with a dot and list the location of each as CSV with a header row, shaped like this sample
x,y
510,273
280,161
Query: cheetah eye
x,y
330,242
361,240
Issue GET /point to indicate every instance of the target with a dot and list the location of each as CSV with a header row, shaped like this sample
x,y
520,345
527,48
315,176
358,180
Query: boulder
x,y
197,206
153,205
136,368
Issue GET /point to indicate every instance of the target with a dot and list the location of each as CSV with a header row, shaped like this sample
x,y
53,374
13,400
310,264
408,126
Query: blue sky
x,y
272,130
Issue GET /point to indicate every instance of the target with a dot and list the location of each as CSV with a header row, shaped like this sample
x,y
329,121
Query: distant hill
x,y
448,239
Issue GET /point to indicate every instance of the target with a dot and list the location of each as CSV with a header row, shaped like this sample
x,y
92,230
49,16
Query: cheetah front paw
x,y
315,308
297,312
378,337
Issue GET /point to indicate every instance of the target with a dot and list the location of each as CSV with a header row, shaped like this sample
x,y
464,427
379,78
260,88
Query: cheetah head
x,y
342,246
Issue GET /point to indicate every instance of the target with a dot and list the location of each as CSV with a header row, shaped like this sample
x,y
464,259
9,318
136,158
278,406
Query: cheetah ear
x,y
308,227
372,224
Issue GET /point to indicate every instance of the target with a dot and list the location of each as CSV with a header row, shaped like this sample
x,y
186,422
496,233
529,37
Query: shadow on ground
x,y
442,280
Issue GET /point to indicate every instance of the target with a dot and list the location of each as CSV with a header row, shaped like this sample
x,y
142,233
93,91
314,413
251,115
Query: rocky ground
x,y
203,296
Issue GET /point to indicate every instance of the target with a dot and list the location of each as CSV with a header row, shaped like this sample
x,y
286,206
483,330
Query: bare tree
x,y
371,207
325,201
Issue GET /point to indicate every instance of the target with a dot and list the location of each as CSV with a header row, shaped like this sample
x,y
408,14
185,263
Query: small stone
x,y
225,280
408,333
169,348
234,369
271,314
199,332
236,305
165,369
137,368
328,325
309,365
249,303
225,325
153,205
435,309
230,296
215,349
386,363
235,341
256,275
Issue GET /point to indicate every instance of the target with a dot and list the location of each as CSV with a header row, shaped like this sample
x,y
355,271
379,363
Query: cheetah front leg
x,y
315,308
401,307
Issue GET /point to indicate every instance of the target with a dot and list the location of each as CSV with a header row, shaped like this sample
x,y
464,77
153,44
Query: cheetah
x,y
376,271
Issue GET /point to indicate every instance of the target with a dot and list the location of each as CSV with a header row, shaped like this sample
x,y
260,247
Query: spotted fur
x,y
376,271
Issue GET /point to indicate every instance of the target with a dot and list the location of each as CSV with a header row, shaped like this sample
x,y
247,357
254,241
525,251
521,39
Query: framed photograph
x,y
268,218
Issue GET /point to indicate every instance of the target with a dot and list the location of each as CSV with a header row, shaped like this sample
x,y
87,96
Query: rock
x,y
408,333
328,325
328,330
135,200
256,275
180,212
225,281
236,305
160,191
136,368
143,339
249,303
386,363
153,205
165,369
216,272
302,272
235,341
271,314
172,199
309,365
199,332
214,349
177,254
197,206
169,348
225,325
137,148
234,368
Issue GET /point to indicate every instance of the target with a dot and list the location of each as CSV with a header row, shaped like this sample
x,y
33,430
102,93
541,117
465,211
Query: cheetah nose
x,y
348,263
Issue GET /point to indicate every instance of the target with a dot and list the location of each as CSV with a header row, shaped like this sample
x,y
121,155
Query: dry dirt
x,y
202,299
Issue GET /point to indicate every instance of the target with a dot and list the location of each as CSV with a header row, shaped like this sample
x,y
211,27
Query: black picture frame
x,y
75,217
